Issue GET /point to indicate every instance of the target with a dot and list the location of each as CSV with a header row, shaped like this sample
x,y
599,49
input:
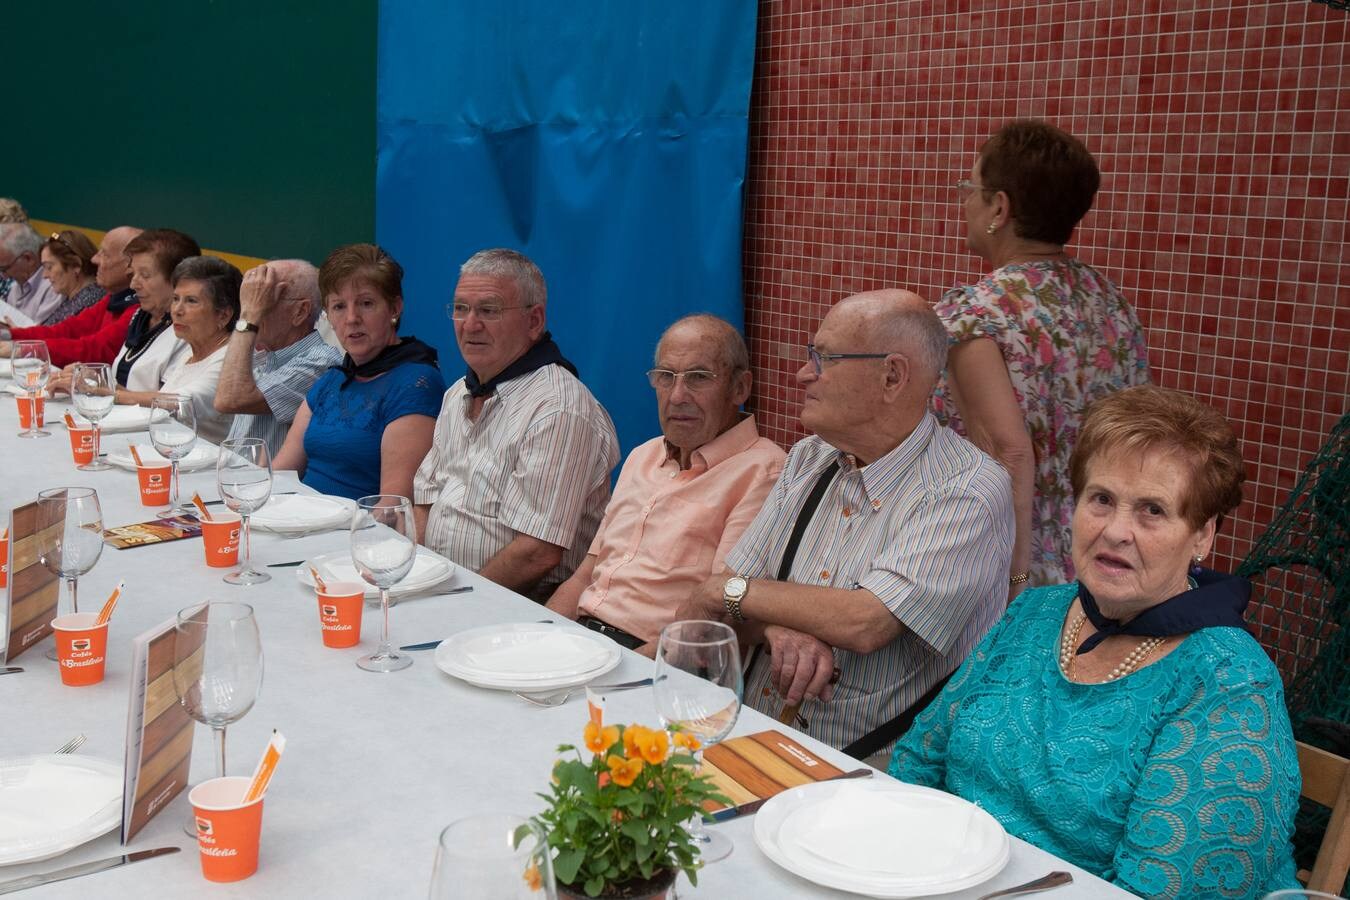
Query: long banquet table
x,y
375,764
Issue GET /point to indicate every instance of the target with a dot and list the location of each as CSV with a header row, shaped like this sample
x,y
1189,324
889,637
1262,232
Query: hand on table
x,y
802,666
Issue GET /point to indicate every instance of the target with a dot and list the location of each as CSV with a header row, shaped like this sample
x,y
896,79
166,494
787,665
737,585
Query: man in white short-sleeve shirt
x,y
518,474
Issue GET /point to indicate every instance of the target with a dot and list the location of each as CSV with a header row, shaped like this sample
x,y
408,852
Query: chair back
x,y
1325,781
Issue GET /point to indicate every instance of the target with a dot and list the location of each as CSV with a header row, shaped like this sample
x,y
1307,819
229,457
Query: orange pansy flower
x,y
625,771
652,745
599,739
685,739
631,734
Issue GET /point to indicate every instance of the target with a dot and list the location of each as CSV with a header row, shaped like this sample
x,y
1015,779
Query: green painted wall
x,y
248,124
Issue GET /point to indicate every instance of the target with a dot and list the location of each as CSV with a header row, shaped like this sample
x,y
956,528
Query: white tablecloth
x,y
375,765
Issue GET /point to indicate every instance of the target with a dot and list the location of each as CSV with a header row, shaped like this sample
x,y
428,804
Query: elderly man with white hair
x,y
31,294
881,556
275,354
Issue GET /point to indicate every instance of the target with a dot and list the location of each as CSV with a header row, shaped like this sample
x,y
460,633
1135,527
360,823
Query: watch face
x,y
735,587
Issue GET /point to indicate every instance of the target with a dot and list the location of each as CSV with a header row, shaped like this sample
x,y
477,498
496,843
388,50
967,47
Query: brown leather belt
x,y
618,635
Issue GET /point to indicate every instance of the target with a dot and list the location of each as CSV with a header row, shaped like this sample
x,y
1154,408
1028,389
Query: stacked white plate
x,y
882,838
202,456
429,569
120,419
526,656
295,513
53,802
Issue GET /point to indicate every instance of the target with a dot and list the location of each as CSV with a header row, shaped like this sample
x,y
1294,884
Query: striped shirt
x,y
284,377
536,462
927,528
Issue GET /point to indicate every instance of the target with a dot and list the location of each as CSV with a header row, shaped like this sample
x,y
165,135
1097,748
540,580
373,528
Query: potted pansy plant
x,y
616,820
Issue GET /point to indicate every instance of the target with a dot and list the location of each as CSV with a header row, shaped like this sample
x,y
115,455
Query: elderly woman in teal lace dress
x,y
1127,722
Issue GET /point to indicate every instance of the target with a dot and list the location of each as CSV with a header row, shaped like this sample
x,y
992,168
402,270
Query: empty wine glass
x,y
92,390
70,537
697,686
173,431
494,855
31,367
383,550
244,476
217,667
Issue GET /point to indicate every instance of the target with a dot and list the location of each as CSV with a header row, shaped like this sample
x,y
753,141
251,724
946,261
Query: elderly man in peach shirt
x,y
682,499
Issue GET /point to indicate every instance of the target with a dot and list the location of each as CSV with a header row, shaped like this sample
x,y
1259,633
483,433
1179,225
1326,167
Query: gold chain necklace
x,y
1069,642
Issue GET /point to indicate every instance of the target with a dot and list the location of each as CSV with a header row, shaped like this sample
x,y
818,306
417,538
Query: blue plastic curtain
x,y
606,140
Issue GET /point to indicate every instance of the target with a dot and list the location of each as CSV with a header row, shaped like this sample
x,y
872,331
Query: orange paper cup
x,y
340,613
220,536
26,405
81,647
154,482
82,445
227,829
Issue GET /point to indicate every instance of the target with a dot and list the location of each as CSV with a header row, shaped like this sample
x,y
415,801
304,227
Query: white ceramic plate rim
x,y
108,818
339,517
598,655
116,427
448,662
121,457
766,831
403,587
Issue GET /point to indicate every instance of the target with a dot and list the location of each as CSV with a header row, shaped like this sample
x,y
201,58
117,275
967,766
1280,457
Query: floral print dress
x,y
1069,338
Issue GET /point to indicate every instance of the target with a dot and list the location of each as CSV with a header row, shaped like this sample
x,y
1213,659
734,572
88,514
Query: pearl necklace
x,y
1069,642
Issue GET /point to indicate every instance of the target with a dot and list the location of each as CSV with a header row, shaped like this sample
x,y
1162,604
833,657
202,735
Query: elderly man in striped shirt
x,y
518,474
881,556
683,498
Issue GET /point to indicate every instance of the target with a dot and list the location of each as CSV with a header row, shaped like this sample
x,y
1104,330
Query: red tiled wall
x,y
1223,135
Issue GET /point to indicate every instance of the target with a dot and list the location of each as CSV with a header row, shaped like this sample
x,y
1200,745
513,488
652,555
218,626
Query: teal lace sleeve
x,y
1212,811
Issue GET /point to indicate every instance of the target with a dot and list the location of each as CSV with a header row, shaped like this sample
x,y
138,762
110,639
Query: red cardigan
x,y
92,335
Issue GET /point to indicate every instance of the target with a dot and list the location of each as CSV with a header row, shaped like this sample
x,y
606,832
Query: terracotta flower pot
x,y
658,887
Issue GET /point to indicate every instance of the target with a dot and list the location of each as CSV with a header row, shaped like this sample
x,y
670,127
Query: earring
x,y
1196,568
991,228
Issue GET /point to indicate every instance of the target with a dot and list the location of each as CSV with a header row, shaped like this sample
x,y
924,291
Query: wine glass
x,y
31,367
217,667
493,855
383,549
70,537
244,476
698,688
173,431
93,392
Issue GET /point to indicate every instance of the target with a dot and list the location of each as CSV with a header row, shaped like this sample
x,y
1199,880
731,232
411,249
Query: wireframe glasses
x,y
695,380
488,312
819,359
968,187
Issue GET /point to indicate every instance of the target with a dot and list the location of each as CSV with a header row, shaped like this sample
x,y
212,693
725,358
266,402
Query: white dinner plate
x,y
497,656
6,368
202,455
53,802
296,513
121,419
882,838
429,569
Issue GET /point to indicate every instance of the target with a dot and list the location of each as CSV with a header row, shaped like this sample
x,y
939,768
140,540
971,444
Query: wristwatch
x,y
732,594
242,325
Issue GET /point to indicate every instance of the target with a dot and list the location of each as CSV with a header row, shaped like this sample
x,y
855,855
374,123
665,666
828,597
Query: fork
x,y
558,698
1045,883
73,744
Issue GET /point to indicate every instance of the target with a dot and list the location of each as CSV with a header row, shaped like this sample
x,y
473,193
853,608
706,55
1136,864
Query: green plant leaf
x,y
567,864
594,885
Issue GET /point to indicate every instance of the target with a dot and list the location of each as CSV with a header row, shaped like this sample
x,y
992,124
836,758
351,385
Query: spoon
x,y
1045,883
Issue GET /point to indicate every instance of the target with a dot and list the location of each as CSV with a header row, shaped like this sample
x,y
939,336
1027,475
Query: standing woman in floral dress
x,y
1039,338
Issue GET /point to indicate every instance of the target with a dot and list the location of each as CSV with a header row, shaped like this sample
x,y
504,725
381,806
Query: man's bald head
x,y
301,278
899,321
114,269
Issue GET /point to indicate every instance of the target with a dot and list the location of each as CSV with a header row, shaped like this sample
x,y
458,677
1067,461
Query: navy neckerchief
x,y
1216,601
407,350
119,301
543,353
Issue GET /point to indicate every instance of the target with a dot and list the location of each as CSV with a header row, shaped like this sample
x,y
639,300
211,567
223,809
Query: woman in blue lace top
x,y
1128,723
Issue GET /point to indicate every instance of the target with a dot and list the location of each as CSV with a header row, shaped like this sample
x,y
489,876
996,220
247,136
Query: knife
x,y
270,496
10,670
745,809
89,868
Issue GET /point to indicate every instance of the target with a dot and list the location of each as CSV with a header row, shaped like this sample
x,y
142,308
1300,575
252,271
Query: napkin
x,y
300,510
425,569
42,798
889,833
529,653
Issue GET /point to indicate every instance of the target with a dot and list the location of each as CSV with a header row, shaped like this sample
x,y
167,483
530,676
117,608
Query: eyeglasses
x,y
695,380
819,359
488,312
968,187
4,270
